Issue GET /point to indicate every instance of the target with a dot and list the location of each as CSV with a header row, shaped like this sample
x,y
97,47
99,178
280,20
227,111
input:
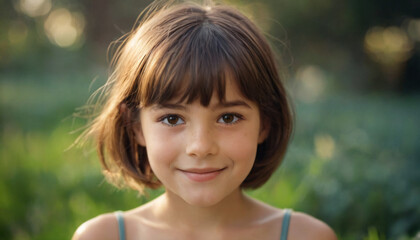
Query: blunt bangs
x,y
190,68
196,59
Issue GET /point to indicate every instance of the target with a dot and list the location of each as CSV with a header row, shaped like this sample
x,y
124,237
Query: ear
x,y
135,125
264,131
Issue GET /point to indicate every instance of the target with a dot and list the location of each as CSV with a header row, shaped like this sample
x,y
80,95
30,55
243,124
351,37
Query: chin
x,y
203,200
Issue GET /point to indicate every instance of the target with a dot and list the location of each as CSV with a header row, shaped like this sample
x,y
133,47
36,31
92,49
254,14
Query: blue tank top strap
x,y
285,224
121,226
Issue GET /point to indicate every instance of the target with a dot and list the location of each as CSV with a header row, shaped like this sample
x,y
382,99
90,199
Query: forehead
x,y
232,90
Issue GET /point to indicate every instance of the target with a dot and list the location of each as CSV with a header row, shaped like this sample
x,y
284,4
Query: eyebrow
x,y
236,103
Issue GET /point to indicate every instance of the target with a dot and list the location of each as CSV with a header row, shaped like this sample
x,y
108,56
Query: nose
x,y
201,142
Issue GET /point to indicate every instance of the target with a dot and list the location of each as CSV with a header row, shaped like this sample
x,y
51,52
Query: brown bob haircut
x,y
187,51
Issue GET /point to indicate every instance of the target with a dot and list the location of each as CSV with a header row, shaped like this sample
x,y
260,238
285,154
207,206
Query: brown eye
x,y
229,118
172,120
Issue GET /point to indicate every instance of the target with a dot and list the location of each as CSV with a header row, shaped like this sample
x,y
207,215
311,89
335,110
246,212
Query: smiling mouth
x,y
202,175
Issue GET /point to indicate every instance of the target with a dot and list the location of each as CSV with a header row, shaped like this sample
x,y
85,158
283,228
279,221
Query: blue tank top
x,y
121,225
284,227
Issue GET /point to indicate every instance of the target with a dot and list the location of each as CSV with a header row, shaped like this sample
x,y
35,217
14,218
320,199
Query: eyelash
x,y
167,116
237,118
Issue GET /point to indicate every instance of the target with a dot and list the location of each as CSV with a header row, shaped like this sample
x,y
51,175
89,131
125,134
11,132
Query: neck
x,y
176,212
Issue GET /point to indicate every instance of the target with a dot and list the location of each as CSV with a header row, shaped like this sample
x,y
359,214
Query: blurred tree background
x,y
352,69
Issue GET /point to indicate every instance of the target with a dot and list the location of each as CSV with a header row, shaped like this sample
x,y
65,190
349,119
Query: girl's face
x,y
202,154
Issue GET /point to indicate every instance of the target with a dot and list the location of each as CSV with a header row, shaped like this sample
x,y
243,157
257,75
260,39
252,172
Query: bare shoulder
x,y
304,226
104,226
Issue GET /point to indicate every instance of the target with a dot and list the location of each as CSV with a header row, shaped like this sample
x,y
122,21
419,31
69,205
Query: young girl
x,y
196,105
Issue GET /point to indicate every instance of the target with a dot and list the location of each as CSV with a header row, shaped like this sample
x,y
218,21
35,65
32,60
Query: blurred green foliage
x,y
354,158
367,188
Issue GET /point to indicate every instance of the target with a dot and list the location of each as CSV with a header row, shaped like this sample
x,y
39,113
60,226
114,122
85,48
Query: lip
x,y
202,174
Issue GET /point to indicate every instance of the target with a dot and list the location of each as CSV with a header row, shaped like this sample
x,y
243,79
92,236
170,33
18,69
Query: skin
x,y
202,155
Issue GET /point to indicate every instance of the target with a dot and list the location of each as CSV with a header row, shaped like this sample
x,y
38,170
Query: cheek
x,y
161,148
242,146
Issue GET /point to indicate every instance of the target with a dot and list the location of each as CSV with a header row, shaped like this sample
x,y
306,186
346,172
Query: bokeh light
x,y
33,8
311,83
64,28
324,146
388,46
